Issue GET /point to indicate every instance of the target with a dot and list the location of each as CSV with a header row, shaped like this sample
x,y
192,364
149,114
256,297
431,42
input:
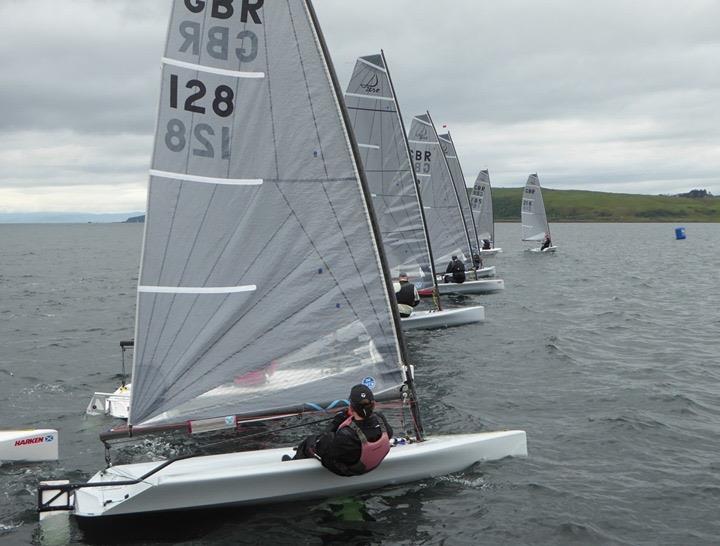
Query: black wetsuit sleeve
x,y
449,268
337,420
387,425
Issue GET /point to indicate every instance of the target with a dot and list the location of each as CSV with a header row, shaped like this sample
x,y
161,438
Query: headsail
x,y
444,221
377,123
458,178
261,282
482,208
534,220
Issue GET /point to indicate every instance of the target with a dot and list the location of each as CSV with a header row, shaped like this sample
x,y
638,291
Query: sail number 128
x,y
222,97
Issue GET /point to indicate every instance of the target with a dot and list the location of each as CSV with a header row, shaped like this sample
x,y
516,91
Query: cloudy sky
x,y
609,95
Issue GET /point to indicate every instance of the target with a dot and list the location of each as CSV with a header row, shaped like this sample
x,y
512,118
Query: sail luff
x,y
433,271
370,211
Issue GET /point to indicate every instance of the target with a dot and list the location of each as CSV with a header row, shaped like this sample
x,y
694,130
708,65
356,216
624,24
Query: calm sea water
x,y
606,353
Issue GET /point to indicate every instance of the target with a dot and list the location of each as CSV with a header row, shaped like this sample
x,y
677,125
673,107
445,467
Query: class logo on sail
x,y
421,134
371,86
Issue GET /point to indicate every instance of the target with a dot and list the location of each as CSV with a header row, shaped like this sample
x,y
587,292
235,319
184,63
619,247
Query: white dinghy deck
x,y
484,286
428,320
260,477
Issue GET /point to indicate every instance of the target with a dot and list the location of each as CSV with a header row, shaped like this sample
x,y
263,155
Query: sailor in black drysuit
x,y
547,242
407,295
457,269
477,261
486,244
357,440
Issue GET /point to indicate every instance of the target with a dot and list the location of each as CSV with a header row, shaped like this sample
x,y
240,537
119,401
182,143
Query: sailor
x,y
457,269
486,244
407,297
547,242
357,441
477,261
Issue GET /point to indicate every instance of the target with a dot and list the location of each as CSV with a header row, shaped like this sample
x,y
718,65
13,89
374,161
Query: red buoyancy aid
x,y
372,453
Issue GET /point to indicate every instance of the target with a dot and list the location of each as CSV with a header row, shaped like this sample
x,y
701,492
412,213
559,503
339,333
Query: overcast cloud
x,y
611,95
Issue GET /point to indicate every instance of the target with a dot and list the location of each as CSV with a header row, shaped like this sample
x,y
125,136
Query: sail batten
x,y
255,183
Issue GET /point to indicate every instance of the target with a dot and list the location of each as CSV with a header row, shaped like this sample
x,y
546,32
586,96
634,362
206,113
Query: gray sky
x,y
611,95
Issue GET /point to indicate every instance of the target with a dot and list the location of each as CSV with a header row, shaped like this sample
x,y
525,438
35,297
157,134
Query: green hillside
x,y
591,206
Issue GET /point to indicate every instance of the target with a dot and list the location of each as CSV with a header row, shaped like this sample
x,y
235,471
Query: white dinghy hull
x,y
259,477
548,249
472,287
116,404
483,272
486,253
29,445
428,320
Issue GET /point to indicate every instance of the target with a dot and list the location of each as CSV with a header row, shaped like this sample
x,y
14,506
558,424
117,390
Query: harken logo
x,y
32,441
371,86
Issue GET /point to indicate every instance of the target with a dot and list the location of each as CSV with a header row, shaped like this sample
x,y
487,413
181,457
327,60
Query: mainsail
x,y
440,201
261,282
534,221
482,208
458,178
378,127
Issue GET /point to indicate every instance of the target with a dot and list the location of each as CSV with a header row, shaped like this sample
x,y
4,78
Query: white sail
x,y
261,284
482,208
534,220
458,178
377,123
445,225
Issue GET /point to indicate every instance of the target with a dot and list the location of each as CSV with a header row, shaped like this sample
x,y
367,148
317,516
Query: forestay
x,y
261,285
482,209
448,235
534,221
375,118
458,178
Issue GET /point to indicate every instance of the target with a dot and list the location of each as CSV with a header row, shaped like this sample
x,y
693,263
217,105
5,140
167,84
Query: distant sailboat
x,y
534,220
377,123
458,178
264,291
482,208
447,229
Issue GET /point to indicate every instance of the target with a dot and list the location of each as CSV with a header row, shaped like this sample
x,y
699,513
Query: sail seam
x,y
213,70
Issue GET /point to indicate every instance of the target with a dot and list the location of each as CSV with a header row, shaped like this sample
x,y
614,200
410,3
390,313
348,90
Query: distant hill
x,y
62,217
136,220
592,206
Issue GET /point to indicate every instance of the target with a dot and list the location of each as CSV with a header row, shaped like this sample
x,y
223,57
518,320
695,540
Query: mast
x,y
409,379
447,166
436,290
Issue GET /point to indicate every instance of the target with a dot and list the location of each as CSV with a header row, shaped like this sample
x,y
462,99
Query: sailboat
x,y
378,126
458,179
482,209
264,290
448,232
534,220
